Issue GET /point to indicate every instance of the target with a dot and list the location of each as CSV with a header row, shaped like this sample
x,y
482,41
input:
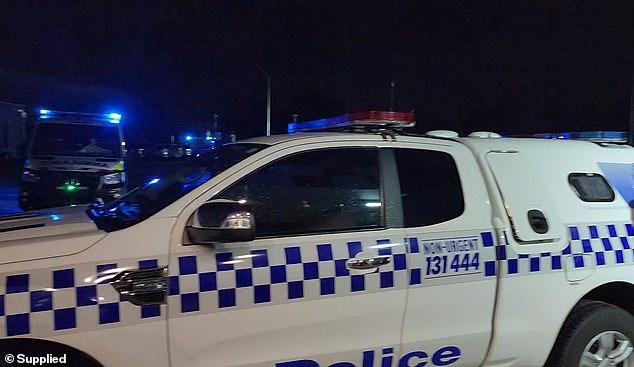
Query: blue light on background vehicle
x,y
111,117
188,137
210,138
115,118
153,181
44,114
55,217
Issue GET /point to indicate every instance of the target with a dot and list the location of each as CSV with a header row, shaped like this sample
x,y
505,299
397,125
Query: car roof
x,y
480,145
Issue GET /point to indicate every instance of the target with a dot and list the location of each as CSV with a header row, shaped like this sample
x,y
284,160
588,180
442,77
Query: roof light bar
x,y
356,119
593,136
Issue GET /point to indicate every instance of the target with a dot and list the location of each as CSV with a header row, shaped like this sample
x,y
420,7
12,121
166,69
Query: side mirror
x,y
222,221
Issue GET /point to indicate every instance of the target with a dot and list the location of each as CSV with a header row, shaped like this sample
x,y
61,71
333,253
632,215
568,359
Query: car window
x,y
591,187
164,189
430,187
314,192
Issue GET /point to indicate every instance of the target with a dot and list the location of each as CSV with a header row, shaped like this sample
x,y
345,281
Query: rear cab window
x,y
591,187
431,191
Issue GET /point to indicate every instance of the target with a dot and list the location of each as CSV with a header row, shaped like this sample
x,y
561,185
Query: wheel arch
x,y
619,293
41,347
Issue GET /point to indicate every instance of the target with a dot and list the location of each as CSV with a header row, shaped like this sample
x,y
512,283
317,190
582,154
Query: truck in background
x,y
73,158
13,131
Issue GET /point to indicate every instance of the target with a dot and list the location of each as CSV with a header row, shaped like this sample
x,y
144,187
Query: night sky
x,y
506,66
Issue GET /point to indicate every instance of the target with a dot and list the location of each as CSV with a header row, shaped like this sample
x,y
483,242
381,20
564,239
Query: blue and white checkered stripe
x,y
595,244
277,275
47,302
51,301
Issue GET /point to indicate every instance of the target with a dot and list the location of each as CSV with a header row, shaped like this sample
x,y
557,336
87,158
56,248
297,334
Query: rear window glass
x,y
431,190
591,187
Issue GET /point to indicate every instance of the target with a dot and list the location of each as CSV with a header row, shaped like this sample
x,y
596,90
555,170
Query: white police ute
x,y
358,245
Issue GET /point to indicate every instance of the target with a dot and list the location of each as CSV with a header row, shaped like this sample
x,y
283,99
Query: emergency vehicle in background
x,y
361,247
73,158
13,130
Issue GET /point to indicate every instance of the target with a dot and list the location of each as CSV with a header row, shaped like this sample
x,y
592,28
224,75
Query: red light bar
x,y
381,116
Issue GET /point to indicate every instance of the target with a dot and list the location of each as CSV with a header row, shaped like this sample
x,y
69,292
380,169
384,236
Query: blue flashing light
x,y
188,137
153,181
602,134
115,118
594,136
316,124
55,217
209,138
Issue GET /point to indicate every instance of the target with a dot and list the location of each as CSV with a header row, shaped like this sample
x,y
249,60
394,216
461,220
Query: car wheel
x,y
26,205
595,334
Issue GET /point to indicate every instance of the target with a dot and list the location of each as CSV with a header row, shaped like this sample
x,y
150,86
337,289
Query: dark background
x,y
506,66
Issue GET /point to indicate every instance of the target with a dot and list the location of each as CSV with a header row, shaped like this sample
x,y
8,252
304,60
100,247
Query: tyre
x,y
25,204
595,334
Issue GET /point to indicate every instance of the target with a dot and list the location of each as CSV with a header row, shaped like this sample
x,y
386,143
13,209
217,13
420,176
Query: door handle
x,y
142,287
369,263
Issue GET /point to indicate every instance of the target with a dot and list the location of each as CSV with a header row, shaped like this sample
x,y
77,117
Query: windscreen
x,y
74,139
163,189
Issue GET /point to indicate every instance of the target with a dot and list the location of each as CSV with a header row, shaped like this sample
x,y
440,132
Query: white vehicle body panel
x,y
454,306
525,269
68,298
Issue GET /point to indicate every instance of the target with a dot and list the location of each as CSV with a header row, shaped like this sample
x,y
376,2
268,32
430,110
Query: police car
x,y
363,248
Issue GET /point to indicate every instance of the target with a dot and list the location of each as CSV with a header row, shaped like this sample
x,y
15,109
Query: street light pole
x,y
268,105
392,94
630,135
268,101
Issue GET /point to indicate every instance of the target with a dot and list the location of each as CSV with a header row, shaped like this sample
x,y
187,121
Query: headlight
x,y
30,176
113,178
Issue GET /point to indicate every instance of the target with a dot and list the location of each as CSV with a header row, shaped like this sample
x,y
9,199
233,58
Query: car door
x,y
452,281
292,297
